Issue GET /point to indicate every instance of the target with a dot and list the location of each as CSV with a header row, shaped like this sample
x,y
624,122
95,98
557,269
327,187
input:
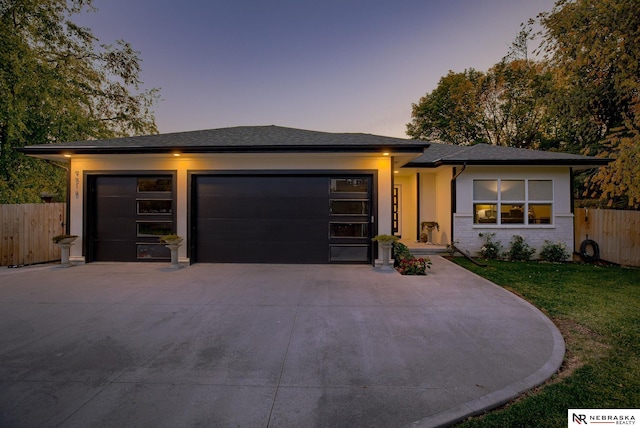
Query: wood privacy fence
x,y
616,232
26,231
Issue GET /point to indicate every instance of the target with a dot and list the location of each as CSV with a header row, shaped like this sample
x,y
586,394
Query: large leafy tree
x,y
594,48
512,100
450,113
581,96
504,106
58,83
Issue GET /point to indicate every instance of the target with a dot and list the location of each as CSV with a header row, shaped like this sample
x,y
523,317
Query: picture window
x,y
517,202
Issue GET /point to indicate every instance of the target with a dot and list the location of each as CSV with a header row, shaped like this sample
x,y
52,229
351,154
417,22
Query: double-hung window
x,y
517,202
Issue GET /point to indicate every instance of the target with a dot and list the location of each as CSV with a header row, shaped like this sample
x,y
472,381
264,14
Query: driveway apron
x,y
248,345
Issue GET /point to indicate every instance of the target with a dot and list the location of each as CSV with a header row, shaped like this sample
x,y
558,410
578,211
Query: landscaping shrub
x,y
554,251
413,266
400,252
490,249
520,250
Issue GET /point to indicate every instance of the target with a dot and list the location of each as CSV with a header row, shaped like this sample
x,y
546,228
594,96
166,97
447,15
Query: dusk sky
x,y
324,65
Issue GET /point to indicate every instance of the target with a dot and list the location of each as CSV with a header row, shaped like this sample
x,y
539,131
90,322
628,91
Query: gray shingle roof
x,y
241,138
484,154
254,139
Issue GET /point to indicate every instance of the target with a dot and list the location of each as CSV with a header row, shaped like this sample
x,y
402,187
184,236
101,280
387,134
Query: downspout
x,y
572,207
453,197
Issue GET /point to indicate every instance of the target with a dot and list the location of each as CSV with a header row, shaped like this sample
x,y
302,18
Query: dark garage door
x,y
280,219
127,214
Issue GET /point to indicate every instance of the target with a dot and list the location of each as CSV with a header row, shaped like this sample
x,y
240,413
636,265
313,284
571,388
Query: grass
x,y
597,309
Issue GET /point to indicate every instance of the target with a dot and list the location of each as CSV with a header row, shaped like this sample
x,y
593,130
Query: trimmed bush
x,y
490,249
554,252
520,250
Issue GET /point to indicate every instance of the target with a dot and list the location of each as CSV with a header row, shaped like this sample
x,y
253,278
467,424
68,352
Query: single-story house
x,y
269,194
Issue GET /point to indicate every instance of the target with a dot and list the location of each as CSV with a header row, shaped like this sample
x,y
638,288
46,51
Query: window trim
x,y
526,203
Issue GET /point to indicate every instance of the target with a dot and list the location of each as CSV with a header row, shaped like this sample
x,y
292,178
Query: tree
x,y
504,106
594,47
449,113
57,83
512,98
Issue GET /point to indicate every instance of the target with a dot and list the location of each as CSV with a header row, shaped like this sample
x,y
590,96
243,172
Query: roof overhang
x,y
61,152
574,163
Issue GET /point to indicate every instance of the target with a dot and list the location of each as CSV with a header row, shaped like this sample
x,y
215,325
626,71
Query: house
x,y
269,194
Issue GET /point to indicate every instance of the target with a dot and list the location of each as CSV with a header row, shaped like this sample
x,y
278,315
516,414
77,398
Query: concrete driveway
x,y
221,345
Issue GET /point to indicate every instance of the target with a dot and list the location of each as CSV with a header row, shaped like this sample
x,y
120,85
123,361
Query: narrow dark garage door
x,y
275,219
126,216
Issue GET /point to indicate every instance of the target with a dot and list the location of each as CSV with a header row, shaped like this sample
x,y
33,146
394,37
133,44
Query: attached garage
x,y
282,218
248,194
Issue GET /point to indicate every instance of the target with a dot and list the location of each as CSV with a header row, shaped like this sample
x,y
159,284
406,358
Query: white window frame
x,y
498,202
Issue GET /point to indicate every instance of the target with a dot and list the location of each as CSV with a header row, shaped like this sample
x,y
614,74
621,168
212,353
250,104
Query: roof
x,y
485,154
261,139
236,139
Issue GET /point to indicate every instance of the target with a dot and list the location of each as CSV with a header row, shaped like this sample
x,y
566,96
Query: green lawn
x,y
597,309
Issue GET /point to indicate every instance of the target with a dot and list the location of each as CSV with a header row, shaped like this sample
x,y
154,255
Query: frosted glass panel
x,y
512,190
540,190
485,190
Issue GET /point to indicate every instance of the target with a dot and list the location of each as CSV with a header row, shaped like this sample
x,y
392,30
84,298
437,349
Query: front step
x,y
419,249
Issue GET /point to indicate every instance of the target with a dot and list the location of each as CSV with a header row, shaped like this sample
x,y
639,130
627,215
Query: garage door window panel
x,y
152,252
155,207
350,185
349,207
154,229
154,184
349,230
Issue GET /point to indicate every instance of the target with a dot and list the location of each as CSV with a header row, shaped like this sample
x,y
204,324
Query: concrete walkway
x,y
220,345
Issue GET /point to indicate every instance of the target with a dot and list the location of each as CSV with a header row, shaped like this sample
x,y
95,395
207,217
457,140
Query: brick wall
x,y
466,233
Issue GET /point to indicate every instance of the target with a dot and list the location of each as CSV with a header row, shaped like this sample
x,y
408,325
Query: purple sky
x,y
325,65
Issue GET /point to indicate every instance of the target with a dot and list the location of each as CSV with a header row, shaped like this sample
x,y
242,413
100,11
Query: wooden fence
x,y
616,232
26,231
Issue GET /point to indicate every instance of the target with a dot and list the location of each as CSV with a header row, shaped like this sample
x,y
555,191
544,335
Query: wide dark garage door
x,y
281,218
